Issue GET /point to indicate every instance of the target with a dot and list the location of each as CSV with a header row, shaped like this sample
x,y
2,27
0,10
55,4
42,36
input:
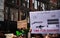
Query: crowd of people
x,y
47,36
23,33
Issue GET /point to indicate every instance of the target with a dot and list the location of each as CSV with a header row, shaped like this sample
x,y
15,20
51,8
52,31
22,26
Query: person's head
x,y
38,36
47,36
55,35
23,28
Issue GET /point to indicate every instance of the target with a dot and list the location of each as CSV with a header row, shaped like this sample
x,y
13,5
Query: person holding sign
x,y
21,32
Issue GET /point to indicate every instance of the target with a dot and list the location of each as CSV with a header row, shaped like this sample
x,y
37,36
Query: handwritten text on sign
x,y
45,21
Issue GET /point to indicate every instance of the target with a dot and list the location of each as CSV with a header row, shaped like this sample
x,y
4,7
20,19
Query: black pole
x,y
8,19
9,15
19,9
18,13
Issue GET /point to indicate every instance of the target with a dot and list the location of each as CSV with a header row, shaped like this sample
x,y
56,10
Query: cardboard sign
x,y
45,22
22,24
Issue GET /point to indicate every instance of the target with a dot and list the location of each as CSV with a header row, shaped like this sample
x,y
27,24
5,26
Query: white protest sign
x,y
45,22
